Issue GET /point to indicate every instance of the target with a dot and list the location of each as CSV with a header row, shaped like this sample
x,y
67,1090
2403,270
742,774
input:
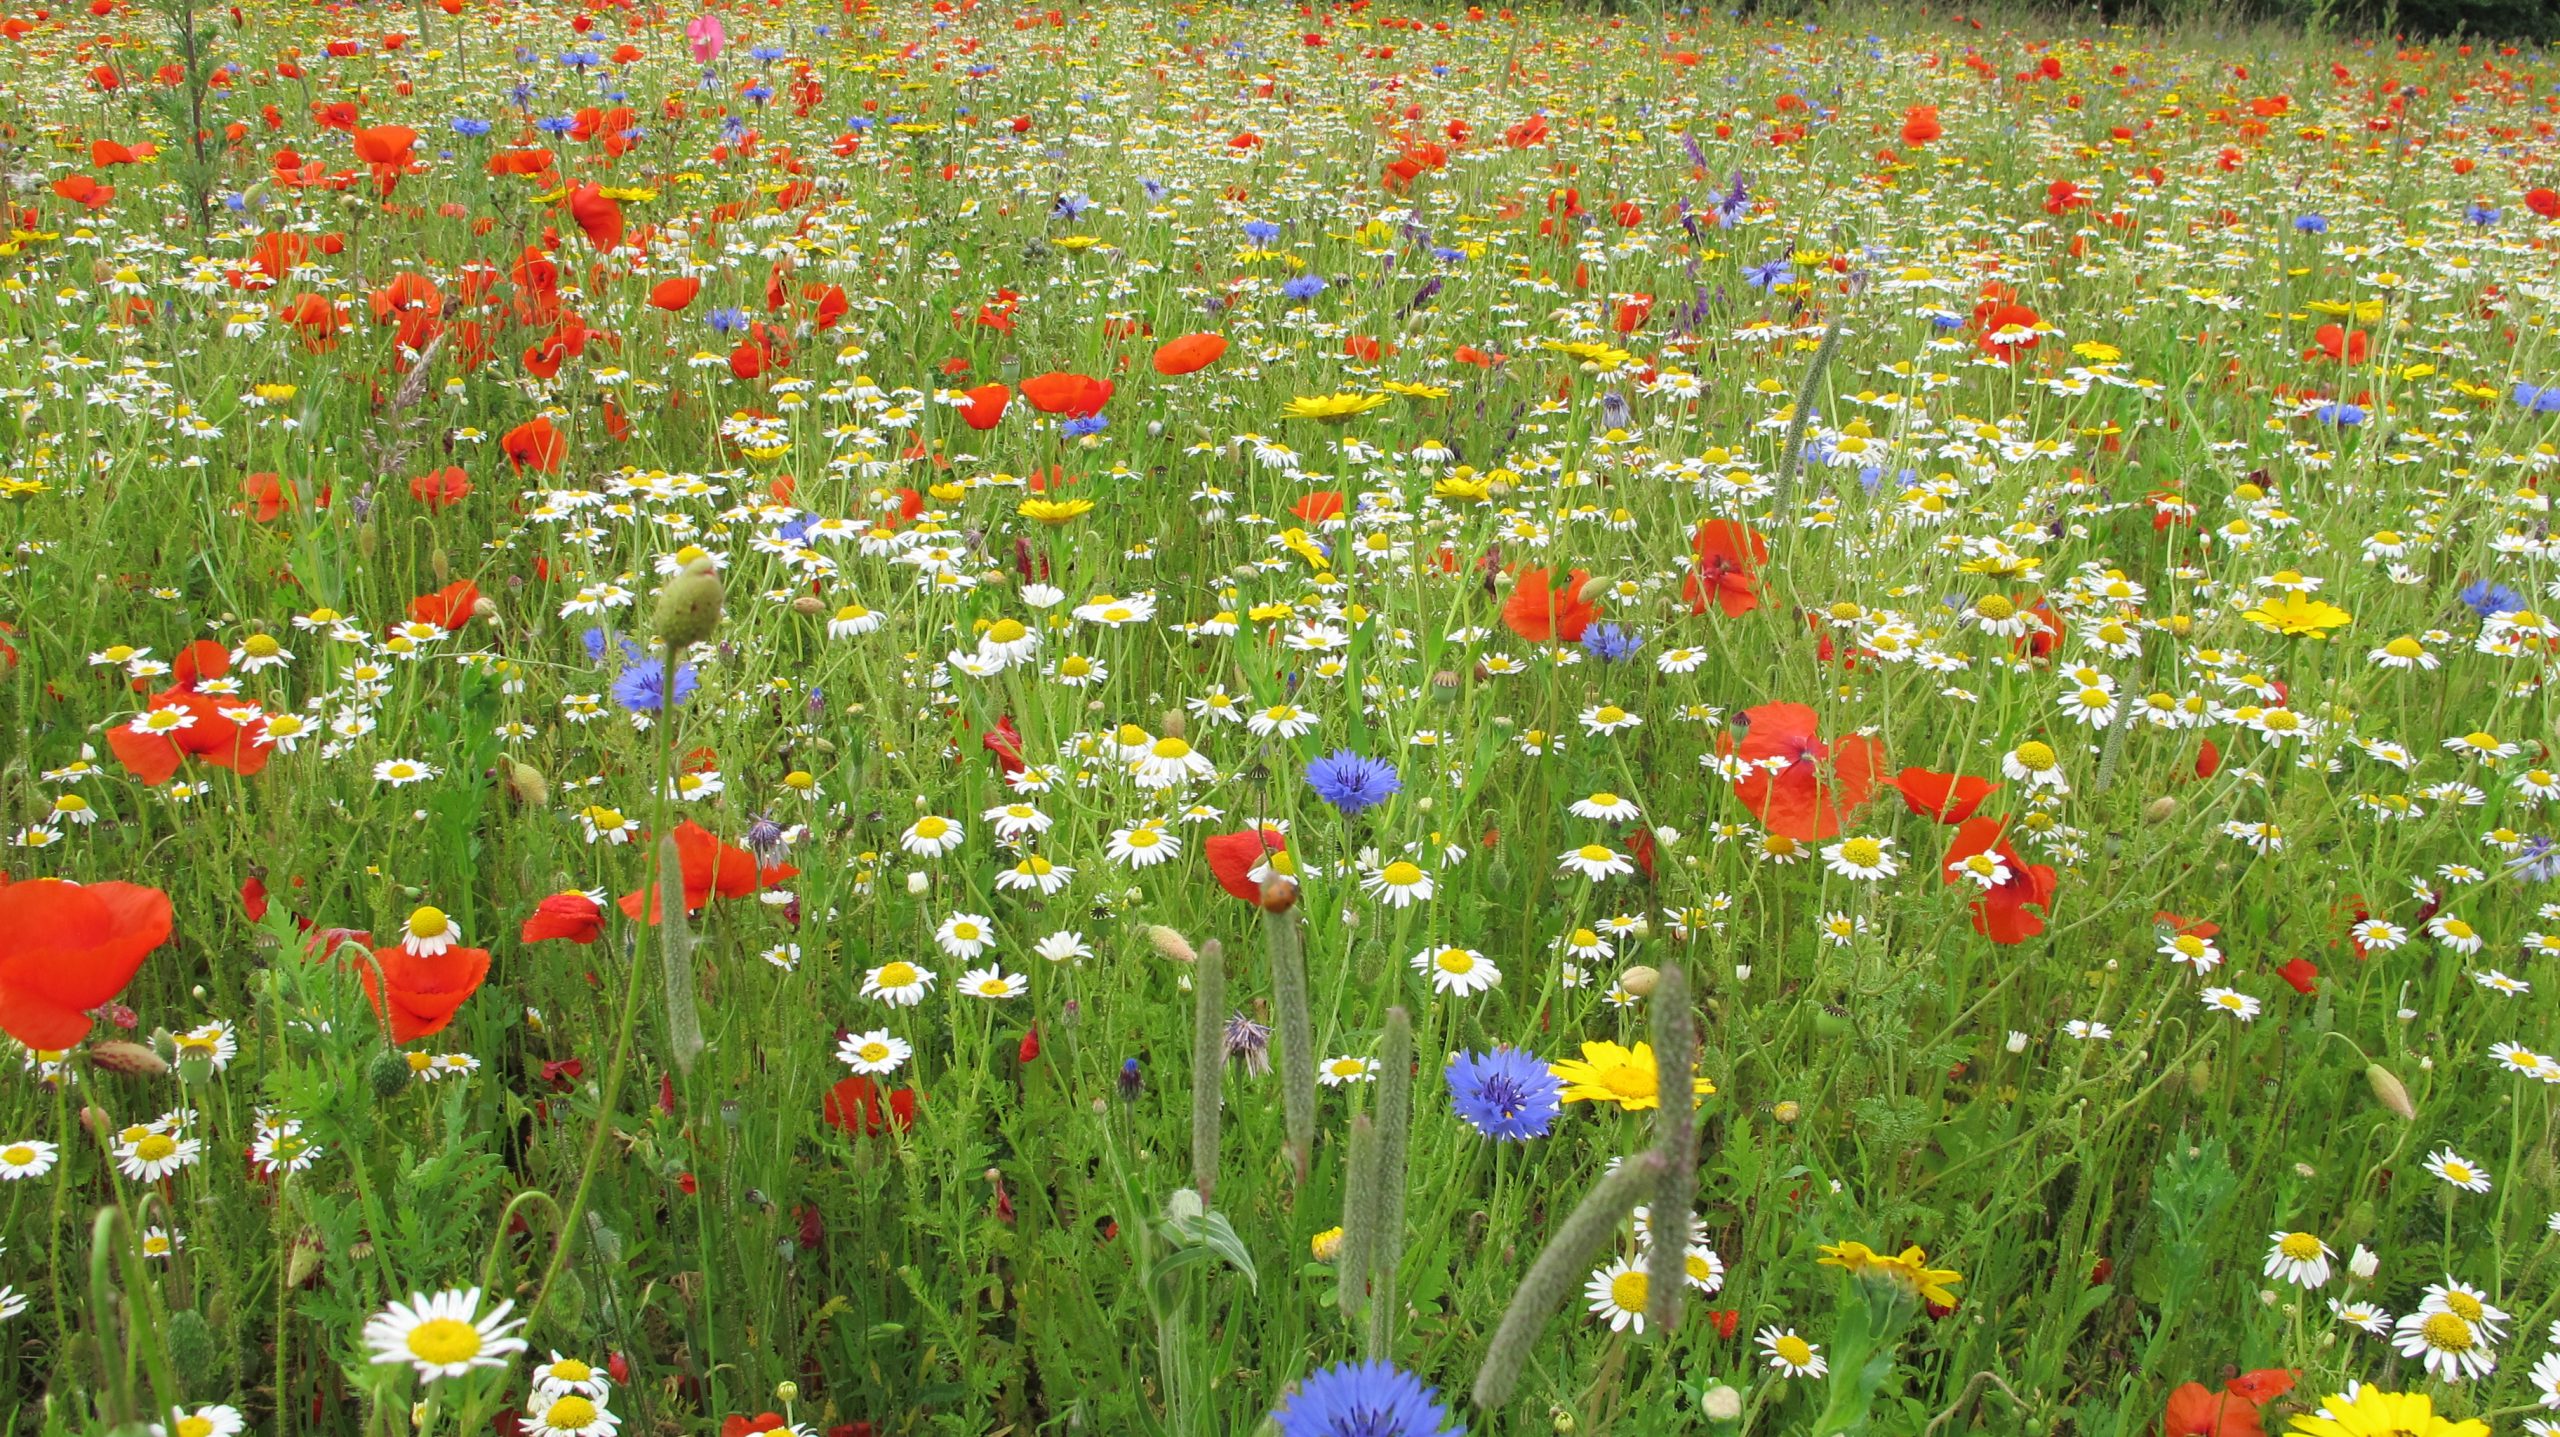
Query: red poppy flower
x,y
672,295
439,487
1786,789
1946,797
571,915
1920,125
986,406
2264,1385
1317,507
2302,975
2196,1410
2001,914
854,1105
419,994
1190,352
448,608
598,215
712,869
66,948
1233,856
1074,396
1730,554
1538,612
535,444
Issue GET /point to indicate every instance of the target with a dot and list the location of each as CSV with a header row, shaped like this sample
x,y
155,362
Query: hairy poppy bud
x,y
1171,944
2160,810
525,783
689,606
439,565
131,1059
2388,1091
809,605
1639,980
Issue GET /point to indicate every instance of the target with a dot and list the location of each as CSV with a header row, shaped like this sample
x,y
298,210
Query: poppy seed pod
x,y
689,606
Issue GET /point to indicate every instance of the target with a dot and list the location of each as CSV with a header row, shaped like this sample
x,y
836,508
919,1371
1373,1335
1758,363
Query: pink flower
x,y
707,36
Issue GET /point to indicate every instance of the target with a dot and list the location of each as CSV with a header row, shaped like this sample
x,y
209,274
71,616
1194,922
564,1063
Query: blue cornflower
x,y
2481,215
1610,644
767,54
2539,863
1505,1094
1069,207
1446,255
1131,1080
556,124
731,320
798,528
2545,400
2311,224
471,125
1364,1399
596,641
580,59
858,124
1155,188
236,201
1735,205
1943,320
1351,782
1769,275
2485,598
1261,231
520,94
2344,415
642,687
1079,428
1305,286
760,92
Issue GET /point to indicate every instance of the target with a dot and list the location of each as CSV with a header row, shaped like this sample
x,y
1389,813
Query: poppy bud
x,y
809,605
2160,809
484,607
2388,1091
131,1059
439,565
388,1074
1171,944
1639,980
525,783
368,539
689,606
191,1345
1176,723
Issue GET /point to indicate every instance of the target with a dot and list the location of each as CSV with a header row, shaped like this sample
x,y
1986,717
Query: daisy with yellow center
x,y
444,1335
1617,1293
898,983
1399,884
429,932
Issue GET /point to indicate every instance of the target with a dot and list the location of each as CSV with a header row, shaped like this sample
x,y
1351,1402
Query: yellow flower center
x,y
1995,608
1863,852
17,1155
2034,757
1076,666
193,1425
1629,1081
897,975
1400,874
1006,631
261,646
873,1052
2447,1333
568,1414
2404,647
1455,960
1604,800
428,922
158,1147
570,1369
1792,1350
2456,928
932,827
1610,713
2300,1246
2464,1306
2480,740
1778,845
1172,748
1594,853
1629,1290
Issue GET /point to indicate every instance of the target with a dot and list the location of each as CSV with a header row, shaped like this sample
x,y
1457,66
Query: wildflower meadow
x,y
1360,719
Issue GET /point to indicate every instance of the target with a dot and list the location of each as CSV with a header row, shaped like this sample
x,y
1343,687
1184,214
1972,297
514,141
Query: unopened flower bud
x,y
439,565
808,604
1175,724
131,1059
1639,980
689,606
1720,1404
1171,944
2388,1092
525,783
2160,809
786,1392
917,883
484,608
